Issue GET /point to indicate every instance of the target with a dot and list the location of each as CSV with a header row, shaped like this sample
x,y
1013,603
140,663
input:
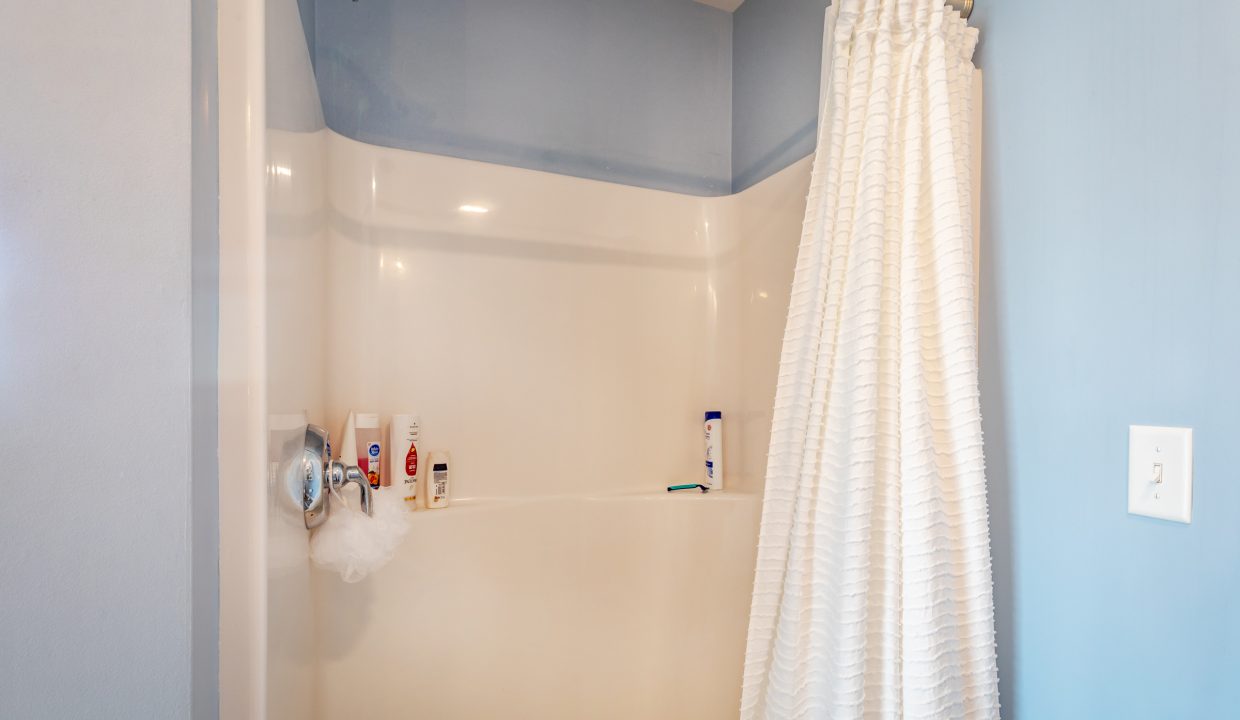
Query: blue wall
x,y
776,57
638,91
1111,275
308,24
658,93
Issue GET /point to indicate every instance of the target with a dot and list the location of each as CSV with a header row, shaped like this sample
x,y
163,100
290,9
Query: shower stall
x,y
563,345
561,335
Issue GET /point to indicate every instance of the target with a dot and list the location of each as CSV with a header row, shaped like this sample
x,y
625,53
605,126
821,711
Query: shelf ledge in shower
x,y
660,496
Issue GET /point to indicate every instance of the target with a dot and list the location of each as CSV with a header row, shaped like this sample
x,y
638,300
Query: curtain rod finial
x,y
964,7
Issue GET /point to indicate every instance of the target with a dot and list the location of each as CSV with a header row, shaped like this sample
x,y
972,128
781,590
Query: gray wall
x,y
637,92
205,321
95,359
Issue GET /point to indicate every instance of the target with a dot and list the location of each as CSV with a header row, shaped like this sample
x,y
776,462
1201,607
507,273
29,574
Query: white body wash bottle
x,y
438,482
403,450
714,449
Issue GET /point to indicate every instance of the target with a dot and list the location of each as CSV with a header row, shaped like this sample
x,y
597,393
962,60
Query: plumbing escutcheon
x,y
314,489
320,475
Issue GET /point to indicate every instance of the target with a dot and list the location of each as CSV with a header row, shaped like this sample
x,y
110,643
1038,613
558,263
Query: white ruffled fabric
x,y
872,597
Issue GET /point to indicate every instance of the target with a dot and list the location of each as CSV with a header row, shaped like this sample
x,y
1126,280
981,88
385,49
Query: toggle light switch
x,y
1160,472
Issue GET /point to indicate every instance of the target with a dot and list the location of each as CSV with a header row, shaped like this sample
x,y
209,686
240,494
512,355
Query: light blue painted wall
x,y
637,92
1111,296
776,60
657,93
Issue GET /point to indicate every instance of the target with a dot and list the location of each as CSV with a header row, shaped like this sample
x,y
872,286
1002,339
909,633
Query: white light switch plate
x,y
1166,453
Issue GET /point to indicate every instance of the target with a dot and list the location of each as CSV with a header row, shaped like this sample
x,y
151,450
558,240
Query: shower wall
x,y
567,340
563,346
767,221
295,272
551,608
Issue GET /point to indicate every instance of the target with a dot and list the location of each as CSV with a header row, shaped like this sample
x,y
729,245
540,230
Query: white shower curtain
x,y
872,597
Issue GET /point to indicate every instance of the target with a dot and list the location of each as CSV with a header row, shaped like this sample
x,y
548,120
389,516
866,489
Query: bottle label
x,y
439,480
372,464
710,459
411,464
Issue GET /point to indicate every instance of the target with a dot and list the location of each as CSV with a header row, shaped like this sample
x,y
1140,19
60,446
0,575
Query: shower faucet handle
x,y
340,475
319,475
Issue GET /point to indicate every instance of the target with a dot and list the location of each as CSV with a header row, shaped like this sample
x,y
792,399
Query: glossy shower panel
x,y
294,255
556,334
561,336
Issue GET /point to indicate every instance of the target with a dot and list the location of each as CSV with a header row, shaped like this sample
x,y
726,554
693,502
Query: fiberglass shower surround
x,y
569,300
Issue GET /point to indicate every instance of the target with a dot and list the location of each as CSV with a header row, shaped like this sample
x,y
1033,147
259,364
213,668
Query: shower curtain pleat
x,y
872,594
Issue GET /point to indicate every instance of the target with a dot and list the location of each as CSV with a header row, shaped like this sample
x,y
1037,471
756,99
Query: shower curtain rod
x,y
964,6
